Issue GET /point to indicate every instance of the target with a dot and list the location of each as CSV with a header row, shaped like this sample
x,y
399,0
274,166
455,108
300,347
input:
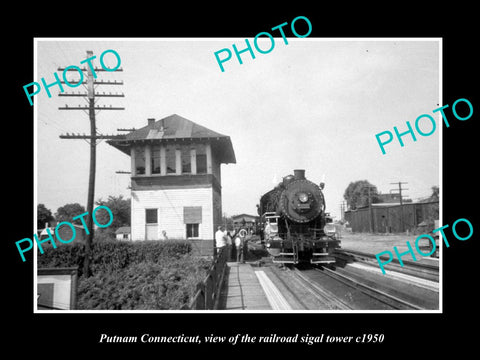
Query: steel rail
x,y
295,296
425,271
390,300
274,296
321,294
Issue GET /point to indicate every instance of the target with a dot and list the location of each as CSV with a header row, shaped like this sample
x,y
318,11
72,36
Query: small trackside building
x,y
246,221
176,190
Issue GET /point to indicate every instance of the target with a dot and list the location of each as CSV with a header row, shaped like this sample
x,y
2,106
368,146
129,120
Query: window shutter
x,y
192,215
151,216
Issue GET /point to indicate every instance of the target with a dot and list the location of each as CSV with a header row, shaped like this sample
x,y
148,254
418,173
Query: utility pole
x,y
90,96
372,227
400,189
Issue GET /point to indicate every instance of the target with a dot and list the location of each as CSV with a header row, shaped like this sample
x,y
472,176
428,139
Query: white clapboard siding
x,y
170,204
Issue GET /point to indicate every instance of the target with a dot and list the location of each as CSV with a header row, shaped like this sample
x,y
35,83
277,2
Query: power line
x,y
370,207
400,189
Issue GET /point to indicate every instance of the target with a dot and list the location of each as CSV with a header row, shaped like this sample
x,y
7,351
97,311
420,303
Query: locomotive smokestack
x,y
299,174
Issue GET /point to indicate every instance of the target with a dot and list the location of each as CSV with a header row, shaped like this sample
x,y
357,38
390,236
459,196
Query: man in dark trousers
x,y
240,245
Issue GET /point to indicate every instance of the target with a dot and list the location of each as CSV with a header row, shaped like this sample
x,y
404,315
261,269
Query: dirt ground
x,y
367,243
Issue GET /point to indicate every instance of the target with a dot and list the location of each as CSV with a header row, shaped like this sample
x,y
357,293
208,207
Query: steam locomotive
x,y
296,228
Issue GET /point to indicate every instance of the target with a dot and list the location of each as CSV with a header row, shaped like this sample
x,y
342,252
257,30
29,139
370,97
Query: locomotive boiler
x,y
296,226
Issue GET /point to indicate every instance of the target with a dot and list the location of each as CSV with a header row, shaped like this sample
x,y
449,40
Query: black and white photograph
x,y
266,201
281,184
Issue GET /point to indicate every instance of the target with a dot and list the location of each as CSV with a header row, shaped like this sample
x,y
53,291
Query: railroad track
x,y
413,268
358,289
384,297
320,293
354,287
302,293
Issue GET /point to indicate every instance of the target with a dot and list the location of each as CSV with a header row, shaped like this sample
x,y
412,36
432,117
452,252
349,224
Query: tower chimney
x,y
151,122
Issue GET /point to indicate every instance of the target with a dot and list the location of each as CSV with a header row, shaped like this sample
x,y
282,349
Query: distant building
x,y
392,217
175,179
390,198
65,233
245,221
123,233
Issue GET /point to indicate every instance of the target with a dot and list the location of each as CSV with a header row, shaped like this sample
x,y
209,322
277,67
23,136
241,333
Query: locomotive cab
x,y
272,240
271,225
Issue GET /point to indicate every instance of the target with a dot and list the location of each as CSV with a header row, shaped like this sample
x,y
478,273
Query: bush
x,y
132,275
113,255
143,286
63,256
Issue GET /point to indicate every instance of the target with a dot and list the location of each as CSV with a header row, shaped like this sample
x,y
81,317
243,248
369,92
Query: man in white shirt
x,y
222,243
220,238
240,245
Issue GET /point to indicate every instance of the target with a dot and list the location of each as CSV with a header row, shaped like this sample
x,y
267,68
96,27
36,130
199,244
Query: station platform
x,y
249,288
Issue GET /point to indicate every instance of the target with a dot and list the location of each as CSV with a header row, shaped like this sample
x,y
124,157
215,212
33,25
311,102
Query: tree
x,y
435,194
357,194
120,208
68,212
227,221
44,215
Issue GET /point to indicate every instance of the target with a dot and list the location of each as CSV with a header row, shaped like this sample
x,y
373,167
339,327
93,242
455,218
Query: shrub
x,y
63,256
142,286
113,255
132,275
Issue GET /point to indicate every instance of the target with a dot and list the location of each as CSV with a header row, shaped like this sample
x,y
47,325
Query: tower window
x,y
201,159
170,159
139,161
186,160
156,159
151,216
192,230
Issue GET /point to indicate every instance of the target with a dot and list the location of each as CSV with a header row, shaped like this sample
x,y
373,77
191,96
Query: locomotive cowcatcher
x,y
296,228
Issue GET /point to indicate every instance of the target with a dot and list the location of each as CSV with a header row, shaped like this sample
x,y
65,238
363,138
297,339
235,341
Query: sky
x,y
314,104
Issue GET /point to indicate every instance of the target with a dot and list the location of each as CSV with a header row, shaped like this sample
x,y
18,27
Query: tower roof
x,y
175,128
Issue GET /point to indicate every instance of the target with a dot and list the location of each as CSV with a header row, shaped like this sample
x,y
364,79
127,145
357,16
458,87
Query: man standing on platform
x,y
240,243
221,241
232,234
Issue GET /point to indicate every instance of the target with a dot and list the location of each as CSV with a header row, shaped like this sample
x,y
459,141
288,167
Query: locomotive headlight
x,y
329,229
303,197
